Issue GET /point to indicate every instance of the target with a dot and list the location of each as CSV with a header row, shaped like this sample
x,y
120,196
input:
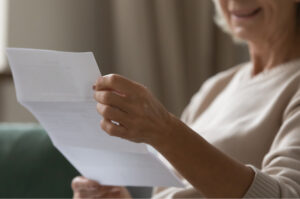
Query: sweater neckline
x,y
279,70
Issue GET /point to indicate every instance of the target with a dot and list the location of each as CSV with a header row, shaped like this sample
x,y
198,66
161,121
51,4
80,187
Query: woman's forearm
x,y
209,170
144,119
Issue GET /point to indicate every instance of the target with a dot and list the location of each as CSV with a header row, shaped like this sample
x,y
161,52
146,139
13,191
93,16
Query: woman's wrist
x,y
203,165
171,135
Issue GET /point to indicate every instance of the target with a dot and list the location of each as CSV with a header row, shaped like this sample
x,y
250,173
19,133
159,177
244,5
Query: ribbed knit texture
x,y
263,186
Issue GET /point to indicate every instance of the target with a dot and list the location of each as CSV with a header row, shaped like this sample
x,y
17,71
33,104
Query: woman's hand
x,y
139,115
85,188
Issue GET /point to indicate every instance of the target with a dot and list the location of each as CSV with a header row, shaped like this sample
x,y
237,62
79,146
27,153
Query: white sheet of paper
x,y
57,88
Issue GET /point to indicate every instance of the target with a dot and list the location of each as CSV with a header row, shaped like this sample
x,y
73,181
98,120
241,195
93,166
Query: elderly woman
x,y
240,134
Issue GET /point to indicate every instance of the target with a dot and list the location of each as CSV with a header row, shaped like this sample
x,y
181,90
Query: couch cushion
x,y
29,164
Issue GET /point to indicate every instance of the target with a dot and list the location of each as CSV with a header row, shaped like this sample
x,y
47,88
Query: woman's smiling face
x,y
259,19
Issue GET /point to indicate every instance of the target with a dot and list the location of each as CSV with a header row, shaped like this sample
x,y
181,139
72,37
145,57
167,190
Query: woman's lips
x,y
245,14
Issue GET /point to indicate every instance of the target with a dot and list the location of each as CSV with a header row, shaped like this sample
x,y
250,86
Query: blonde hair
x,y
220,18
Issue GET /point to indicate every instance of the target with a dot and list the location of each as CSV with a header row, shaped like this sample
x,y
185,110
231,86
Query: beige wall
x,y
11,110
68,25
53,24
170,46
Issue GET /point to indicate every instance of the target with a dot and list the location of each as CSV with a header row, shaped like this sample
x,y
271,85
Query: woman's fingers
x,y
111,98
141,116
85,188
97,193
113,129
106,192
81,182
116,83
113,114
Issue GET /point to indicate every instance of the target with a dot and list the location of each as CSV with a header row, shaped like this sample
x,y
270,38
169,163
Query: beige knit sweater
x,y
255,120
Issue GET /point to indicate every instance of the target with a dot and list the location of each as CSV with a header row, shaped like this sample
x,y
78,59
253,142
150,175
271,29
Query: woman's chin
x,y
244,34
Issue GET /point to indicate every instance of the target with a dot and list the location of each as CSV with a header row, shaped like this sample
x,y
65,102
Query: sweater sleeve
x,y
210,89
279,176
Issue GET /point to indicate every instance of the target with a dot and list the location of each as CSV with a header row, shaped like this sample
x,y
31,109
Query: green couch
x,y
30,167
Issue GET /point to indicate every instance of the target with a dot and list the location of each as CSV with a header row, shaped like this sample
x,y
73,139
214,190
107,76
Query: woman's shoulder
x,y
293,90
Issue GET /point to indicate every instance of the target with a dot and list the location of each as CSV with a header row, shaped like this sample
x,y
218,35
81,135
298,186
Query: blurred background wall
x,y
171,46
